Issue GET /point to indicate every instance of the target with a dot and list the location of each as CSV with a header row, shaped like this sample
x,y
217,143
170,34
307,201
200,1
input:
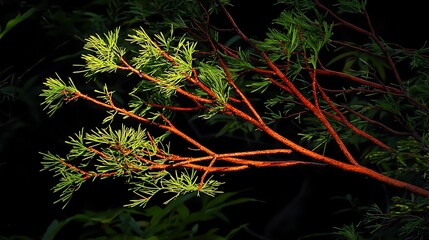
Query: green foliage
x,y
347,232
151,59
121,153
406,216
300,33
183,218
359,63
13,22
105,53
54,31
406,220
410,162
178,184
355,6
185,66
54,94
214,77
120,146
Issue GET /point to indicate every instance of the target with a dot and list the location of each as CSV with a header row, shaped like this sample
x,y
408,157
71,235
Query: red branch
x,y
237,161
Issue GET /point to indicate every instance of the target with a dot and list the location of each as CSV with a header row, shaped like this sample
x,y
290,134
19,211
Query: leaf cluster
x,y
186,217
172,71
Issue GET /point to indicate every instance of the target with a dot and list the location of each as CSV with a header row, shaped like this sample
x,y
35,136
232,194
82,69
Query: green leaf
x,y
53,229
56,93
15,21
104,53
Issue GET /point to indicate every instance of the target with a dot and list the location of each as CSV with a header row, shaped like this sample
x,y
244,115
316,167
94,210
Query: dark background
x,y
30,53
